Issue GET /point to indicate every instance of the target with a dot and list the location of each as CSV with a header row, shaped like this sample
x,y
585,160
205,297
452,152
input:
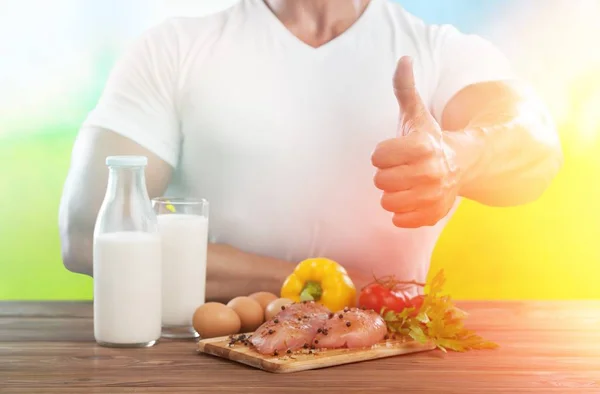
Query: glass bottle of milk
x,y
127,260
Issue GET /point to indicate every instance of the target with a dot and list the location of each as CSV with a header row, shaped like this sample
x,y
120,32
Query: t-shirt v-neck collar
x,y
269,18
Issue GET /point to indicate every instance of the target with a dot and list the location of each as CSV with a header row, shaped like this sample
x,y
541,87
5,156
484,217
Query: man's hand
x,y
416,170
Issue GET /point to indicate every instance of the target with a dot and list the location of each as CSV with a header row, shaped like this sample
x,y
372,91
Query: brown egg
x,y
274,307
214,319
250,312
264,298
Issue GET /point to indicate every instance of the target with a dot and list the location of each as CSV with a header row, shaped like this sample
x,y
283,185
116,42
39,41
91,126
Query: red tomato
x,y
378,297
415,302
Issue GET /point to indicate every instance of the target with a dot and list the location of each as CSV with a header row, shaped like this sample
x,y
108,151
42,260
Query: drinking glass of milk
x,y
127,260
183,226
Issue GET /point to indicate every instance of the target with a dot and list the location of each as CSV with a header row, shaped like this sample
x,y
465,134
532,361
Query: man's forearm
x,y
507,155
232,272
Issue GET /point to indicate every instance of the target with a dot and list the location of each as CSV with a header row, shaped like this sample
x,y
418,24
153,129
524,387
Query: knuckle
x,y
404,221
431,171
439,194
388,202
433,220
425,147
391,179
439,171
430,144
428,172
434,196
445,210
376,158
428,219
399,221
438,214
384,153
379,180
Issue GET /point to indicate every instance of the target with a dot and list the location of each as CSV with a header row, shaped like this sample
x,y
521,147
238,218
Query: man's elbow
x,y
556,160
70,263
523,187
75,265
543,156
548,156
548,167
537,179
76,252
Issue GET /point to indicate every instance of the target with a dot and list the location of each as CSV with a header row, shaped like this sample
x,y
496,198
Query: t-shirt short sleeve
x,y
462,60
138,101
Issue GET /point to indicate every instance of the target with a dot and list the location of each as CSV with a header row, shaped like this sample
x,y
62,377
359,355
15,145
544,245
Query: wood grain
x,y
545,347
304,360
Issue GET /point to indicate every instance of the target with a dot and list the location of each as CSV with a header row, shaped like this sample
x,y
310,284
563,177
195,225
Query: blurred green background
x,y
31,266
59,54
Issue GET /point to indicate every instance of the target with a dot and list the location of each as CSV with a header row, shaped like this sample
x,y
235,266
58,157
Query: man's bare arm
x,y
241,279
85,187
496,145
505,143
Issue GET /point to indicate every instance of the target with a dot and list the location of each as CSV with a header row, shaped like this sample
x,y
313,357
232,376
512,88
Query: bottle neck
x,y
126,183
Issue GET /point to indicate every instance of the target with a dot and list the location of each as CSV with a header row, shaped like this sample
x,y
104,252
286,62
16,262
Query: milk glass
x,y
126,260
183,227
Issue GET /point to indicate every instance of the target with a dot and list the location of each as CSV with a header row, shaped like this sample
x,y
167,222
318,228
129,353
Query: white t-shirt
x,y
278,135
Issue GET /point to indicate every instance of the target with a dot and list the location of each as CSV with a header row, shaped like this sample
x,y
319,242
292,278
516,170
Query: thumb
x,y
410,102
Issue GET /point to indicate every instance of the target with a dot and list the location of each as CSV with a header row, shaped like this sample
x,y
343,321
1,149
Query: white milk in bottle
x,y
127,260
127,270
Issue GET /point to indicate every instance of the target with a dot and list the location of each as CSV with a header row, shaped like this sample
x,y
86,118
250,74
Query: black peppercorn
x,y
348,324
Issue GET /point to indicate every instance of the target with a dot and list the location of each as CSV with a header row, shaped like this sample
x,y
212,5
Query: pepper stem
x,y
312,291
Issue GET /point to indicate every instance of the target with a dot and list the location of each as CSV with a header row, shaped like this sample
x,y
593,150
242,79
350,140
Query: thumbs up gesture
x,y
415,170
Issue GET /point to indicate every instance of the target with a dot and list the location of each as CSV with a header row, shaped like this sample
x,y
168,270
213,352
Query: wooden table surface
x,y
545,347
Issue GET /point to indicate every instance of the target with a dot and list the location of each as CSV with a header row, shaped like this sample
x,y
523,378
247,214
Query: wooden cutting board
x,y
304,361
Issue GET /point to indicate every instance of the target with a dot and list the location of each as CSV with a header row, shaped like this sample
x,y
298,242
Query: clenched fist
x,y
415,170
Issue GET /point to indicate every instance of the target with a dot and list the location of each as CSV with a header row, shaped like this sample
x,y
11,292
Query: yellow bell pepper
x,y
321,280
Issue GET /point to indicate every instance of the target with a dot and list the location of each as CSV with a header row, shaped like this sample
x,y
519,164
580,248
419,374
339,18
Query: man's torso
x,y
278,135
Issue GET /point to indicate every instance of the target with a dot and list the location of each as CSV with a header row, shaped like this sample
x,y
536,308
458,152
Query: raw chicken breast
x,y
291,329
304,310
351,328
